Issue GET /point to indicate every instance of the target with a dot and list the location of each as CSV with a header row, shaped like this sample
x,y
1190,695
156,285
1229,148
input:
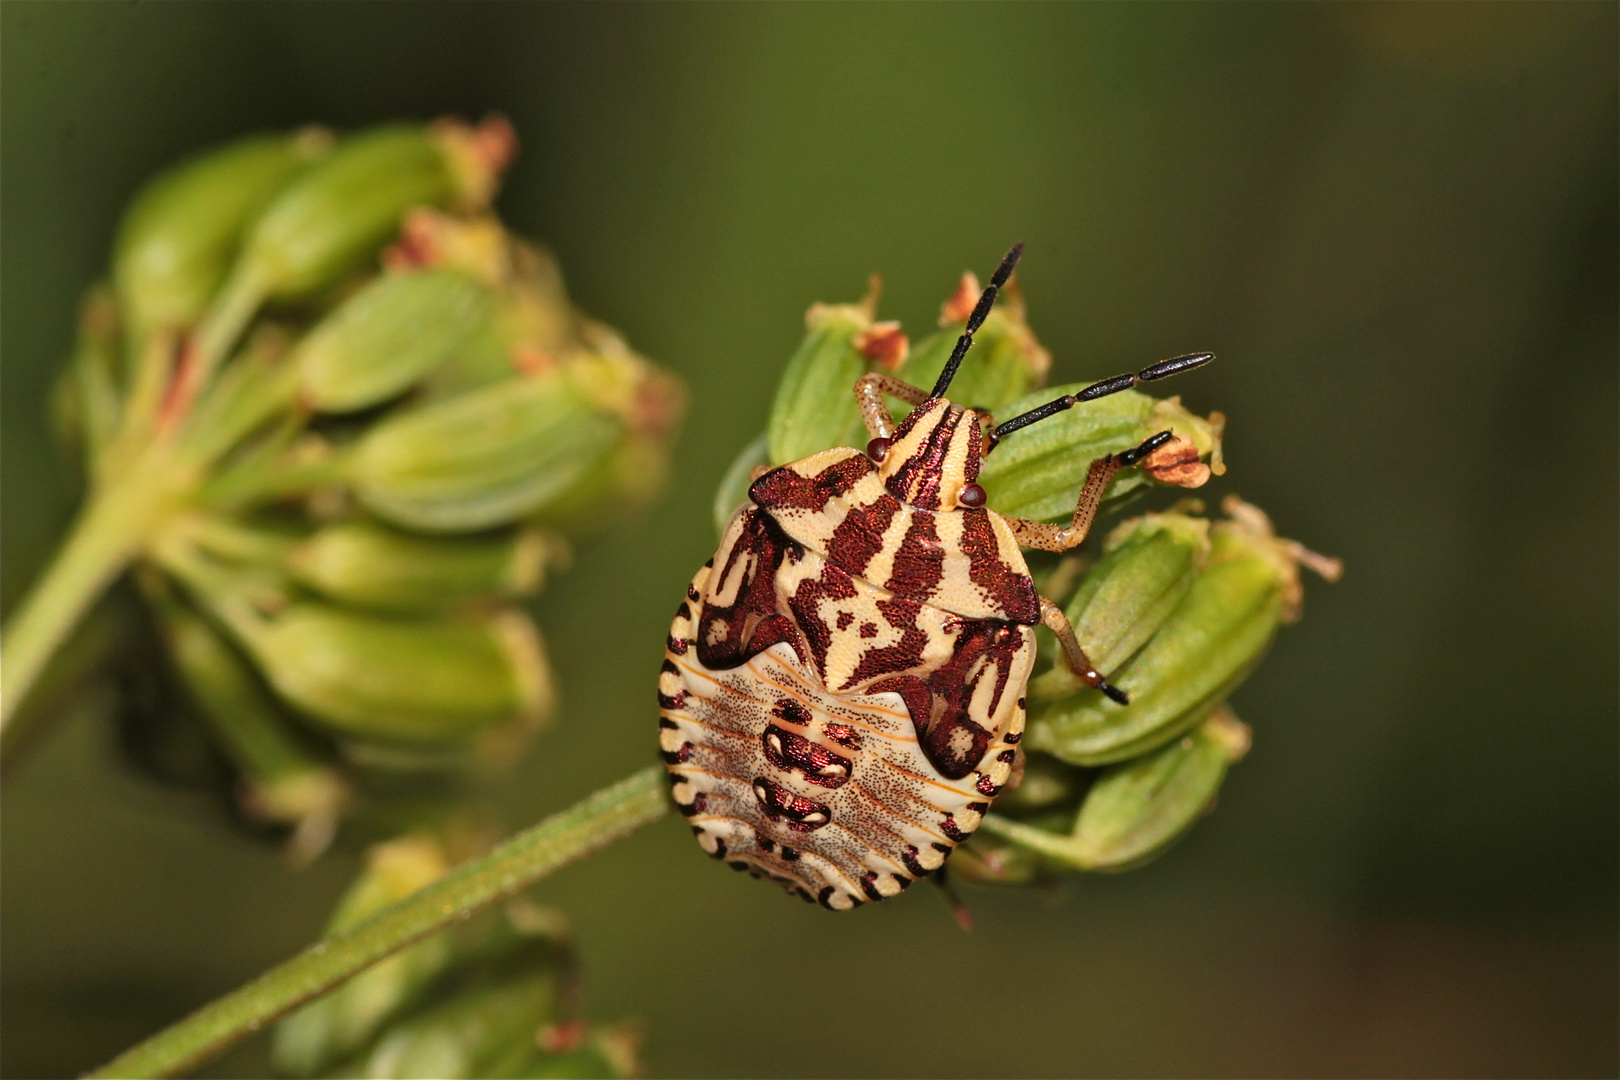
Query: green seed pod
x,y
1248,586
1132,812
1138,808
341,211
332,1027
372,566
1149,564
485,458
409,681
1037,472
815,405
282,780
181,233
649,403
387,337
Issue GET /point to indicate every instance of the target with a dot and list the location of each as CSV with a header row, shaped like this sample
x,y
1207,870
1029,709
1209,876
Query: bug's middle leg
x,y
1074,655
869,391
1051,537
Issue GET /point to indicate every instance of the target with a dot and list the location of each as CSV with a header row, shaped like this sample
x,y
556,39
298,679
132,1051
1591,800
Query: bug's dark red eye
x,y
877,449
972,495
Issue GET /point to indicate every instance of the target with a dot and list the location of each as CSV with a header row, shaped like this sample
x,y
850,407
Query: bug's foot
x,y
1113,692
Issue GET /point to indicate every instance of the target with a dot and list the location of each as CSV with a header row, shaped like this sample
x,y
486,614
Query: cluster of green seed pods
x,y
1177,609
362,422
494,997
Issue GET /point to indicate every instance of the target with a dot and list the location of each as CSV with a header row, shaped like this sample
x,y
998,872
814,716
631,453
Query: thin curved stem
x,y
594,823
109,530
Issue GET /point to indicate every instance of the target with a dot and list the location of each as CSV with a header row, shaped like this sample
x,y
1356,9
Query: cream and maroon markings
x,y
811,736
965,561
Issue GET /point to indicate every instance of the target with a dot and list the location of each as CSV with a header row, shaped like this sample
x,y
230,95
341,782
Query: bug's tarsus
x,y
1114,693
1163,369
981,311
1149,444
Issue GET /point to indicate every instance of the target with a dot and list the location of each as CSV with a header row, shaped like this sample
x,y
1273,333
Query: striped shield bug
x,y
842,694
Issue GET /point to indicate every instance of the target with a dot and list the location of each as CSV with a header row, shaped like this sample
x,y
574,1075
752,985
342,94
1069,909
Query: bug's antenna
x,y
1163,369
981,311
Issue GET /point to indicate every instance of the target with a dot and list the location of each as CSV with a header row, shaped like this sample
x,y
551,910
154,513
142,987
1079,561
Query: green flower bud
x,y
332,1027
1007,362
181,233
485,458
372,566
1248,586
388,336
1037,472
479,1020
411,681
815,402
1149,564
335,215
1138,808
282,780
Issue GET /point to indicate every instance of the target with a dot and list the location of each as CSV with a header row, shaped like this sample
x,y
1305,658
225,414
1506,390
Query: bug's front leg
x,y
869,392
1049,537
1074,655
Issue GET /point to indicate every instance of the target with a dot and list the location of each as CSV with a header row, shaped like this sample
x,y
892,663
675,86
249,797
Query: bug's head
x,y
932,459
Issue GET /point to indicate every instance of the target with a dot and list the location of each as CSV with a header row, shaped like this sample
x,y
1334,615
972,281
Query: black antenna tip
x,y
1174,365
1008,261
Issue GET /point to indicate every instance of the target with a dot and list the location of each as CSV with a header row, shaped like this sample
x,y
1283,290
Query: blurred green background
x,y
1395,224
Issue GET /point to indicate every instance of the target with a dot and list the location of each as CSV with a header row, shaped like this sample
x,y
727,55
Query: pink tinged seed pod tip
x,y
960,305
885,344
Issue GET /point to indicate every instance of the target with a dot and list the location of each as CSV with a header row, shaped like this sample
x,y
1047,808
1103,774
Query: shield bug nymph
x,y
842,694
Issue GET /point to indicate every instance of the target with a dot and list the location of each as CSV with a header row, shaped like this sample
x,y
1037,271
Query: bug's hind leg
x,y
1049,537
869,392
1074,655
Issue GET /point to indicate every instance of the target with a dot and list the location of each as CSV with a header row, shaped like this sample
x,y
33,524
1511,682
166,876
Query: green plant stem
x,y
108,532
589,825
74,669
1053,845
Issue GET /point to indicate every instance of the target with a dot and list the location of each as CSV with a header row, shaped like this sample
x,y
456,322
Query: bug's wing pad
x,y
964,561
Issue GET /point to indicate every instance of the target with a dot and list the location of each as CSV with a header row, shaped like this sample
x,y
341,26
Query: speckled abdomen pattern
x,y
829,794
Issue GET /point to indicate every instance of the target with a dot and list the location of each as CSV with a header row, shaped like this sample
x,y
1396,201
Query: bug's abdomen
x,y
830,792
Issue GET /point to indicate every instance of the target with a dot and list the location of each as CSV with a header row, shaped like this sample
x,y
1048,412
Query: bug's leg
x,y
1050,537
1074,655
869,391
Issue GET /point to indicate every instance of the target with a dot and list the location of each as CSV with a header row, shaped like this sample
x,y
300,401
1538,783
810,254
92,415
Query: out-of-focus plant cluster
x,y
1176,609
351,424
497,996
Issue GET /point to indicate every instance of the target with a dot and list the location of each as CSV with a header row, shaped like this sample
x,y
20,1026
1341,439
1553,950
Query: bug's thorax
x,y
933,455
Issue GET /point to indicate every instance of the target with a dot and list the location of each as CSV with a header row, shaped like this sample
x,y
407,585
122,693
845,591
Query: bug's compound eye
x,y
877,449
972,496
